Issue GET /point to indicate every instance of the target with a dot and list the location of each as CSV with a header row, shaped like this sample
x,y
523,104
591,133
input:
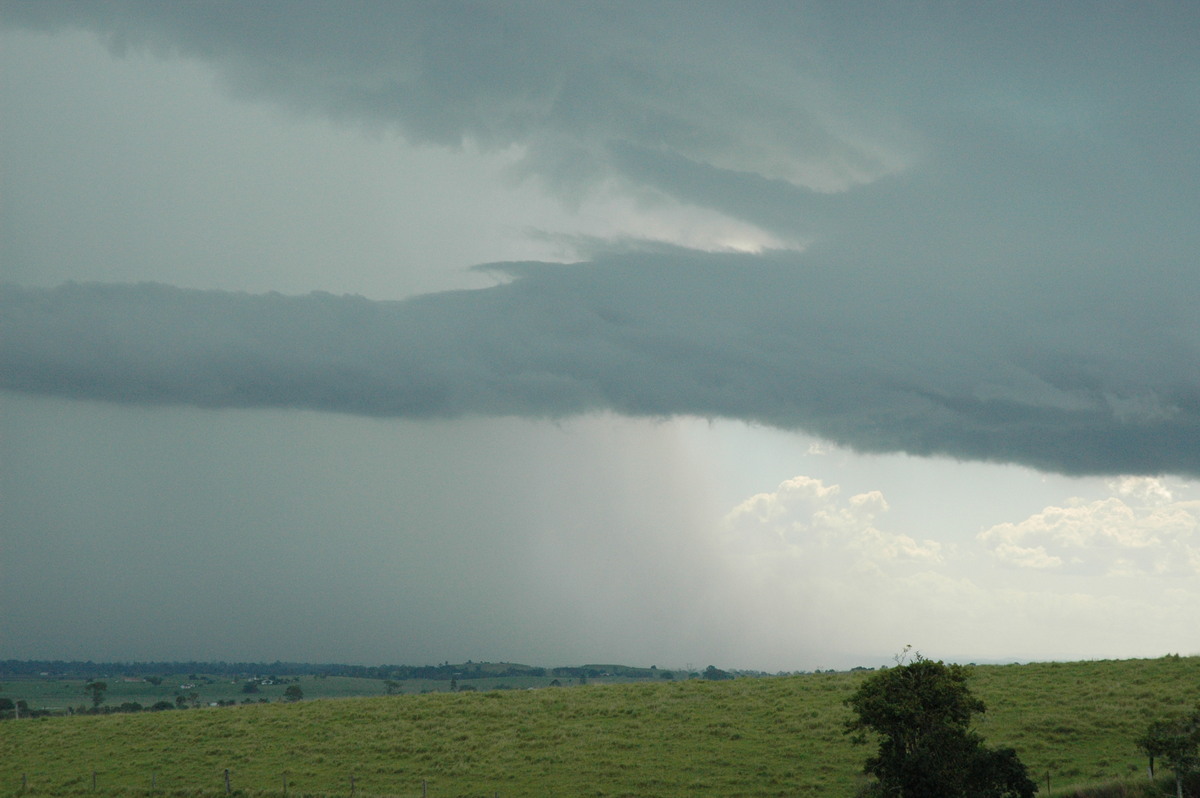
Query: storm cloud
x,y
1002,128
991,261
1033,374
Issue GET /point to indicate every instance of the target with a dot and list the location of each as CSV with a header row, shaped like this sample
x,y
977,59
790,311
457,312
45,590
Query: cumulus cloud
x,y
813,553
809,520
807,556
1141,531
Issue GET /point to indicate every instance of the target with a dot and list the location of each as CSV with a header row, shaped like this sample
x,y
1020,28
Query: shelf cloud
x,y
868,359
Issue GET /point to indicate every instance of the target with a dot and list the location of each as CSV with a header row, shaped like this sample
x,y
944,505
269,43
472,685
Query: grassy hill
x,y
745,737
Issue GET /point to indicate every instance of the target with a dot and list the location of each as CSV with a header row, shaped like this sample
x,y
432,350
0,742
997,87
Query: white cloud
x,y
811,522
837,567
1139,531
1146,489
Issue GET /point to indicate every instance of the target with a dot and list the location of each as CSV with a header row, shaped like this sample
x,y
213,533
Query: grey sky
x,y
963,233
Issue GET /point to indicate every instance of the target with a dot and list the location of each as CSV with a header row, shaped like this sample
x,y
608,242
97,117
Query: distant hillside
x,y
1072,722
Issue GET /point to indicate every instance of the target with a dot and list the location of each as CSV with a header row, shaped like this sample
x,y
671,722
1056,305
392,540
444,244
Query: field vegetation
x,y
59,688
1073,724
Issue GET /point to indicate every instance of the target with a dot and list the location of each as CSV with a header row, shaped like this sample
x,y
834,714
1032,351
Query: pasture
x,y
1075,722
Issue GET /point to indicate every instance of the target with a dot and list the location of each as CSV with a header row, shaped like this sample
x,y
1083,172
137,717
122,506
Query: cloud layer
x,y
582,87
860,357
996,212
992,127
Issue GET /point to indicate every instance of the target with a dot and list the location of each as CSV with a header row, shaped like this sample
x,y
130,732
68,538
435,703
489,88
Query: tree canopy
x,y
1177,742
95,691
921,713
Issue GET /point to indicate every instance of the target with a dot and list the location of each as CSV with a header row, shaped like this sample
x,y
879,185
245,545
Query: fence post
x,y
424,789
228,790
351,785
285,785
93,781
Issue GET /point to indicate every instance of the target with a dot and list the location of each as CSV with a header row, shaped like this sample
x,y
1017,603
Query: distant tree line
x,y
18,669
14,709
19,708
95,690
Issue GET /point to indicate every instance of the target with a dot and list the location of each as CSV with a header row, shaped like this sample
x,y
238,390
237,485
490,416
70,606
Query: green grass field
x,y
747,737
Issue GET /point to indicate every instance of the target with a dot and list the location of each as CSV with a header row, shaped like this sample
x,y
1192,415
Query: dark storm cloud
x,y
578,86
1000,201
1031,115
1041,374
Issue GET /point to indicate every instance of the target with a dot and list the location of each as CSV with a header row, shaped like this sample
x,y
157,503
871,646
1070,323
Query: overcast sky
x,y
763,335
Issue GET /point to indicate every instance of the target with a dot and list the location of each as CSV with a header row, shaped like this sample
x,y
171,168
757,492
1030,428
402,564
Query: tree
x,y
921,713
293,693
8,705
1177,742
95,691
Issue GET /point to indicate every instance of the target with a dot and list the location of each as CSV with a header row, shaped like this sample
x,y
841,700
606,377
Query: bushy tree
x,y
293,693
921,713
716,674
1176,741
95,691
